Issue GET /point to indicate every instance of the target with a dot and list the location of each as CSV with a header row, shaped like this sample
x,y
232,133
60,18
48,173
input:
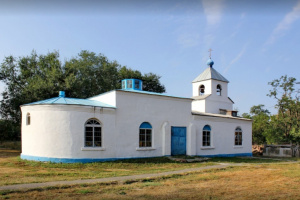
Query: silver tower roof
x,y
210,73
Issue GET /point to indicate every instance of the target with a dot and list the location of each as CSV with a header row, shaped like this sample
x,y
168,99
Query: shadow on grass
x,y
214,159
250,159
156,160
145,160
126,163
14,155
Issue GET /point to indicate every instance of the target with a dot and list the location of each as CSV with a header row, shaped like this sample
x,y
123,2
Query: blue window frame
x,y
145,135
137,84
206,136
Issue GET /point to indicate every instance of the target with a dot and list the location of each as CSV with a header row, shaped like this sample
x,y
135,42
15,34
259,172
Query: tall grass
x,y
14,145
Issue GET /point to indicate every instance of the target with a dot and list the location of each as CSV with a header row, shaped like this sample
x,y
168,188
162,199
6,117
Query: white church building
x,y
132,123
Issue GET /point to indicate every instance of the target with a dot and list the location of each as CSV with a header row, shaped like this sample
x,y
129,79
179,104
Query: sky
x,y
253,42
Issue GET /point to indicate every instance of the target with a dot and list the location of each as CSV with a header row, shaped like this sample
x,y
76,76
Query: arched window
x,y
93,133
28,119
206,135
145,135
219,89
238,136
202,90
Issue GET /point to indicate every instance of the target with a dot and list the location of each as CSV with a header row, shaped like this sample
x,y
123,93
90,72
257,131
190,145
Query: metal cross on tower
x,y
210,50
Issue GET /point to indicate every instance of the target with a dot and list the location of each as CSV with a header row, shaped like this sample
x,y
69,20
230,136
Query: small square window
x,y
129,83
136,84
234,113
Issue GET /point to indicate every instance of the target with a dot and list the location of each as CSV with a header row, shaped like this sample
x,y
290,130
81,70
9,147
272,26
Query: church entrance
x,y
178,140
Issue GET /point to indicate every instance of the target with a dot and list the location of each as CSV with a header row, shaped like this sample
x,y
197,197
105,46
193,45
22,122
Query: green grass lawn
x,y
14,170
258,178
254,181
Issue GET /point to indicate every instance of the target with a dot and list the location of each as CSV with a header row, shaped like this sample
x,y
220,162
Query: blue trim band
x,y
75,160
90,160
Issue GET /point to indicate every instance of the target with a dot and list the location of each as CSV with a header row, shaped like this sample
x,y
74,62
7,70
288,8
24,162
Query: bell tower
x,y
210,92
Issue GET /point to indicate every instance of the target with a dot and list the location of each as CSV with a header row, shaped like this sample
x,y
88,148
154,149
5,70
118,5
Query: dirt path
x,y
110,179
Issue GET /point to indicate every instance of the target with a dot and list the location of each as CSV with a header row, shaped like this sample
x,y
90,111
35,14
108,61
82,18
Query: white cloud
x,y
189,36
238,26
213,11
233,61
285,24
188,39
186,32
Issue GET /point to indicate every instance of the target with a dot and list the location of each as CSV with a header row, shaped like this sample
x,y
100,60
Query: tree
x,y
9,130
246,115
37,77
261,121
29,79
90,74
286,124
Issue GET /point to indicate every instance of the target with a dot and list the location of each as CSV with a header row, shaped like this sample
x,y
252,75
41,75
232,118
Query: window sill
x,y
207,148
237,147
145,148
93,149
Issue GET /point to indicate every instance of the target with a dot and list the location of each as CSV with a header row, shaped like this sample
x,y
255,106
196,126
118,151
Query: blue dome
x,y
210,62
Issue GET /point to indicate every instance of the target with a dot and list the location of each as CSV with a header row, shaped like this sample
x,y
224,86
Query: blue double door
x,y
178,140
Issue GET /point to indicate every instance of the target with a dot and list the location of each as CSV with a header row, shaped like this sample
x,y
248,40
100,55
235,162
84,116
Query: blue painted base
x,y
75,160
90,160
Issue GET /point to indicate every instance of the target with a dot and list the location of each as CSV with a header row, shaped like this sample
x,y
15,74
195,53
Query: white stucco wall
x,y
214,102
161,112
108,98
57,131
222,135
211,88
207,85
199,105
213,105
224,91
